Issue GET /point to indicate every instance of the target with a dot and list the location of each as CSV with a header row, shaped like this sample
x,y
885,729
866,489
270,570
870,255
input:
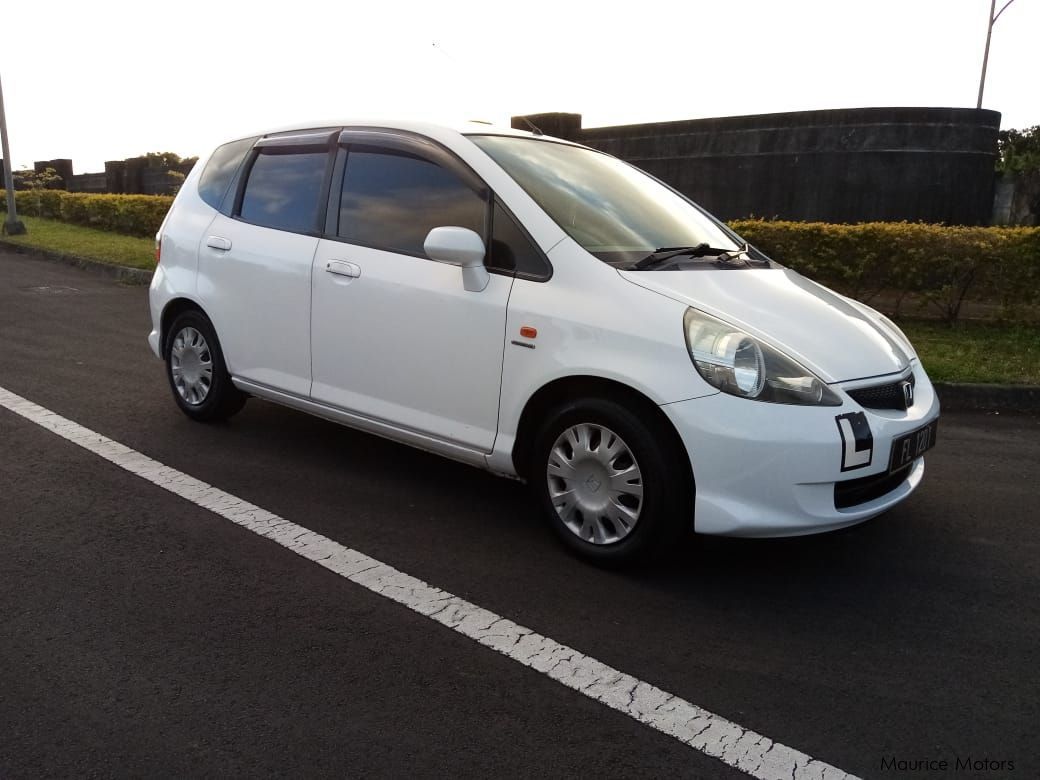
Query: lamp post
x,y
12,225
989,34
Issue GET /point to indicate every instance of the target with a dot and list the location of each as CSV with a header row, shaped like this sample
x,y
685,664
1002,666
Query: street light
x,y
12,225
989,33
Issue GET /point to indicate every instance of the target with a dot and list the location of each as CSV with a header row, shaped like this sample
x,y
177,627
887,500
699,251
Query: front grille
x,y
853,492
887,396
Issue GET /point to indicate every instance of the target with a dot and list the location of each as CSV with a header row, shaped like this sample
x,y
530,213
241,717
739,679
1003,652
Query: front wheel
x,y
196,371
610,481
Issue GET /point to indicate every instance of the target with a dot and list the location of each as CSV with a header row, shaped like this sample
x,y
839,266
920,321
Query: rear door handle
x,y
216,242
343,268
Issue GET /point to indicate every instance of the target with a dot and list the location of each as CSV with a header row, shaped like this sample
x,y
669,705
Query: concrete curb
x,y
120,273
954,396
958,397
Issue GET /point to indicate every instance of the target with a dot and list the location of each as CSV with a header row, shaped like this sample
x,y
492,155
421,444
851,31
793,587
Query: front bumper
x,y
767,470
153,342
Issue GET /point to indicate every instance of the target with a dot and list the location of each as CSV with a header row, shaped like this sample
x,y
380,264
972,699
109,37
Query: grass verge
x,y
100,245
997,353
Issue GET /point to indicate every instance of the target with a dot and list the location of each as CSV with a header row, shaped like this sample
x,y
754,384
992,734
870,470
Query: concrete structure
x,y
841,165
136,175
62,167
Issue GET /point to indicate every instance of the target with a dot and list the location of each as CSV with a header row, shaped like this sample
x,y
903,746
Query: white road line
x,y
704,731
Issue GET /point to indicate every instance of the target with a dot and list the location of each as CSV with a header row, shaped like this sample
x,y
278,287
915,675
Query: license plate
x,y
908,448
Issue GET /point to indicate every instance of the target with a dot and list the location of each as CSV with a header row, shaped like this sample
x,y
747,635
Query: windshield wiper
x,y
668,252
734,254
724,257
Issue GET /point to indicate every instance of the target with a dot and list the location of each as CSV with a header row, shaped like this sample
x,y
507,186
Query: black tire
x,y
666,508
223,399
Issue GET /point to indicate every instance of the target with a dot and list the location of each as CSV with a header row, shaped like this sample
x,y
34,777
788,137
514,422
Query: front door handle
x,y
216,242
343,268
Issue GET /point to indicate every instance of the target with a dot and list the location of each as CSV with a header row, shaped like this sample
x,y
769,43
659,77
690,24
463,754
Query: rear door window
x,y
392,199
283,190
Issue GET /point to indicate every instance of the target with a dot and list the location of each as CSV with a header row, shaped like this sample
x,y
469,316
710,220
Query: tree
x,y
176,179
1019,150
169,161
47,179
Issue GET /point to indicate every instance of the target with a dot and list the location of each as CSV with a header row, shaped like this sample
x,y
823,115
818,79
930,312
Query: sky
x,y
105,80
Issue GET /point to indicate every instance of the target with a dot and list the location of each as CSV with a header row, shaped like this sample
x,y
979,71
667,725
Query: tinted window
x,y
282,190
220,169
391,200
512,250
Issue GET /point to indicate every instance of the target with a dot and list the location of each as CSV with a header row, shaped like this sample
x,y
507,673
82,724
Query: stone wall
x,y
1017,199
842,165
88,182
131,176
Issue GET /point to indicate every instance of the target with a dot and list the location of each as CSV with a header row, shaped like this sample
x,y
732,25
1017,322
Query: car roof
x,y
430,129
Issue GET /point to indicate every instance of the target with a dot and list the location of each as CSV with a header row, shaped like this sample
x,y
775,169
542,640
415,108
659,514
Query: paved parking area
x,y
144,634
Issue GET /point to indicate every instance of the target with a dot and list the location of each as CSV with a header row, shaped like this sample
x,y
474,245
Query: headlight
x,y
741,365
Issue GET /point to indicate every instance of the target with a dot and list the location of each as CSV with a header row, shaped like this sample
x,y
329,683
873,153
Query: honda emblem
x,y
908,394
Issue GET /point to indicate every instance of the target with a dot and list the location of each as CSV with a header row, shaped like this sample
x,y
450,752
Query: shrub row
x,y
901,267
134,215
911,267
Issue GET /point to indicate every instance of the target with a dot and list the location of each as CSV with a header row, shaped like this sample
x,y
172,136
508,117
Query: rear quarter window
x,y
221,169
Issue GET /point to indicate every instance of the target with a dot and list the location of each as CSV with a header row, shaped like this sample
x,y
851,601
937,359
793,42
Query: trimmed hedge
x,y
897,266
134,215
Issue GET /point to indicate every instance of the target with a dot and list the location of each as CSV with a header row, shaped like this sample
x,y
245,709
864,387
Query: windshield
x,y
614,210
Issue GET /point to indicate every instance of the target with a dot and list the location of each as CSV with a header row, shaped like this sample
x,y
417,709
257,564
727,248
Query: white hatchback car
x,y
542,310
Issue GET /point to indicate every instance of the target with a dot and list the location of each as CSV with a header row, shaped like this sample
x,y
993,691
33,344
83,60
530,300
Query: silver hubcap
x,y
595,483
191,366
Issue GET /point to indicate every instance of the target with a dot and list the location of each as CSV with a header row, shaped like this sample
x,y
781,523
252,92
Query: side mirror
x,y
462,247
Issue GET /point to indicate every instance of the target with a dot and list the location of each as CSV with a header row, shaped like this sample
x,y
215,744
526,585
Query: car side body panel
x,y
181,232
405,342
590,323
258,295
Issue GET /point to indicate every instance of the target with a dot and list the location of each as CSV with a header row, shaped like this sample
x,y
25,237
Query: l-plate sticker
x,y
857,440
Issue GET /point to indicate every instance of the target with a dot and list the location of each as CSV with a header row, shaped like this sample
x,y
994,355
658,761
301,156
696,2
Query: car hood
x,y
834,337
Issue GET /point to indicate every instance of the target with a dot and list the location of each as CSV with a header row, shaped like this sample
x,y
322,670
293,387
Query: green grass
x,y
100,245
965,352
977,352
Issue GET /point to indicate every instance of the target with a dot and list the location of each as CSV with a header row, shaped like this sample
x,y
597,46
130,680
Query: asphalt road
x,y
143,635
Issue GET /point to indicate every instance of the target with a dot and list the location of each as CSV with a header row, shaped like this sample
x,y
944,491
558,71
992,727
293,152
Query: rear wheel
x,y
610,481
196,371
